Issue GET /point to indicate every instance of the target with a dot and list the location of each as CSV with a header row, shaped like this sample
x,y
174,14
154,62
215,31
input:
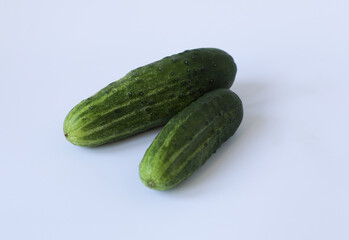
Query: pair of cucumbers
x,y
189,91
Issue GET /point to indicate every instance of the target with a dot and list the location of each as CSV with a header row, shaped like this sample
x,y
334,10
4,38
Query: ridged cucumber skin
x,y
148,96
189,139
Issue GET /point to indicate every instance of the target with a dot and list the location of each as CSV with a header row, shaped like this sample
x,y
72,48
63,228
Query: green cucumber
x,y
148,96
189,139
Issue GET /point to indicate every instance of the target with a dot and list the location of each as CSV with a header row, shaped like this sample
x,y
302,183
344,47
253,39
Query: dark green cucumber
x,y
148,96
189,139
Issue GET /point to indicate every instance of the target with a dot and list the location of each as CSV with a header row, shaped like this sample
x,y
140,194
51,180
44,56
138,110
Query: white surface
x,y
284,175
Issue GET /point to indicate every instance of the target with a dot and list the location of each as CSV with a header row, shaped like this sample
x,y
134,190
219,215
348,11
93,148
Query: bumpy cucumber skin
x,y
148,96
189,139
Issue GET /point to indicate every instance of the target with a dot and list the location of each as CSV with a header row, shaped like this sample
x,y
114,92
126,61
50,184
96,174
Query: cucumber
x,y
189,139
148,96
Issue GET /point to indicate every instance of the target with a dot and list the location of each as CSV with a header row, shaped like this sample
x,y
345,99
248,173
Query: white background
x,y
284,174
